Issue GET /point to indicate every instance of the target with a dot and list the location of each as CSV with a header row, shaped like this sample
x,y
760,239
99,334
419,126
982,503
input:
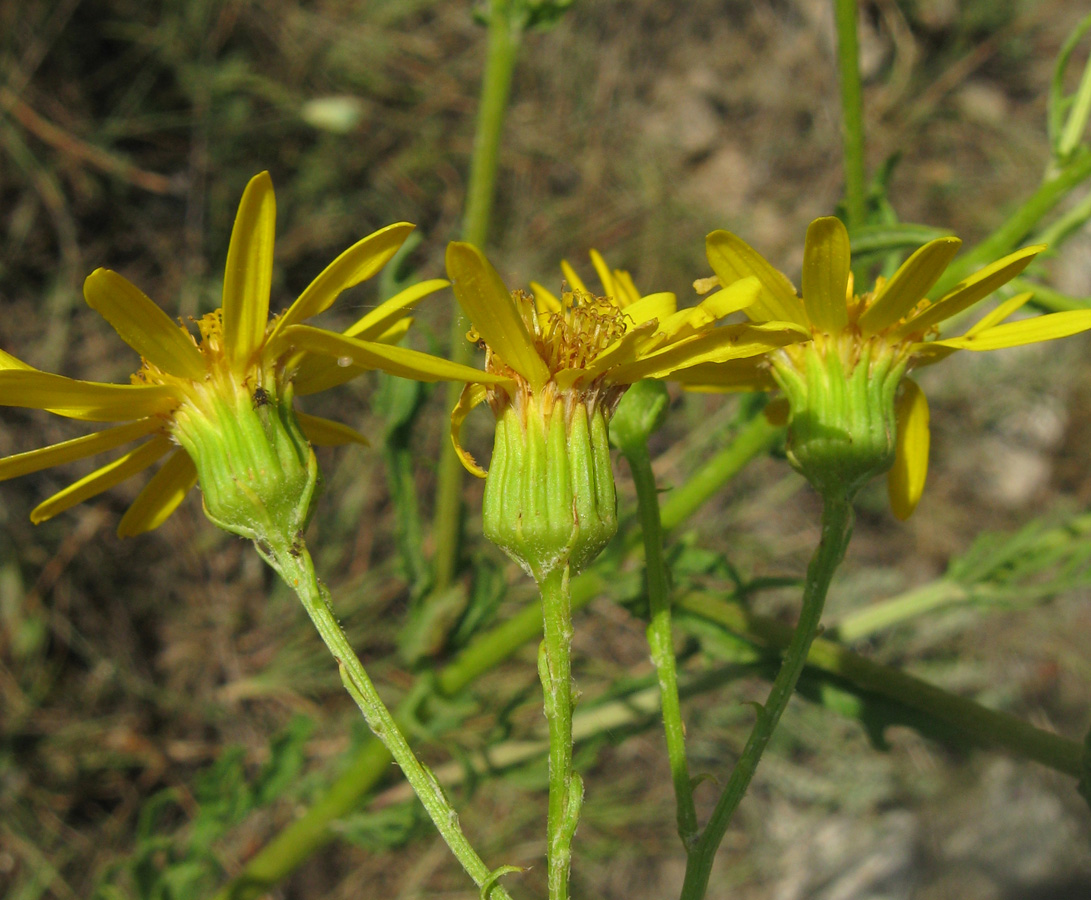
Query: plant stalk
x,y
852,114
661,637
837,517
295,566
504,33
565,786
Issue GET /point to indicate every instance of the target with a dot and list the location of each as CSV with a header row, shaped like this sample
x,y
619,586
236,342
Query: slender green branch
x,y
296,568
1021,222
976,724
565,786
837,519
505,31
852,112
660,636
297,841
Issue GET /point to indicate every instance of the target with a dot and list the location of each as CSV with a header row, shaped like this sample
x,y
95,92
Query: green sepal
x,y
842,426
549,495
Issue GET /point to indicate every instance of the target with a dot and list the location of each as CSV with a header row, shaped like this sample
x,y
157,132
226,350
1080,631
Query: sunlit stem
x,y
837,517
565,786
293,563
660,636
852,115
505,30
302,837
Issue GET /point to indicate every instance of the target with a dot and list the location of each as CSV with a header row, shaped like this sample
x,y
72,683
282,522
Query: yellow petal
x,y
103,479
7,361
605,275
750,374
732,258
362,260
998,315
472,395
400,361
623,351
575,283
719,345
77,448
160,497
1025,331
972,289
249,273
742,294
143,325
909,285
659,307
395,332
489,306
905,481
544,299
87,400
826,274
627,293
386,314
328,433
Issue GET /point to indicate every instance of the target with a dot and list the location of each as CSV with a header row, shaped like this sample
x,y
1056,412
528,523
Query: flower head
x,y
852,415
561,365
222,401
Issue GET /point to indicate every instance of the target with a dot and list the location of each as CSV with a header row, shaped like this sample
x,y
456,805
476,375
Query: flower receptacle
x,y
842,427
257,472
549,495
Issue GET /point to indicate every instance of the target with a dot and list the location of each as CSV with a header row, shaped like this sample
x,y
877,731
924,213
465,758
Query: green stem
x,y
852,115
1020,223
294,565
302,837
972,722
660,636
755,438
505,31
837,519
565,786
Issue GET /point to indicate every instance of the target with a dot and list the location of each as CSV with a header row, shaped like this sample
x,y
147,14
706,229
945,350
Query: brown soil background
x,y
127,132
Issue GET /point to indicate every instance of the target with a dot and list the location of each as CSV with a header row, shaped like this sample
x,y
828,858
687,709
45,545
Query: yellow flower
x,y
586,348
886,331
241,360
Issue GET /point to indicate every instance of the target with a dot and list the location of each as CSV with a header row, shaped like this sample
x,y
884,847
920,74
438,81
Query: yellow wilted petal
x,y
488,304
103,479
1025,331
575,283
826,274
359,263
160,497
909,285
998,315
328,433
732,258
472,396
249,273
77,448
905,481
385,314
972,289
87,400
399,361
143,325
